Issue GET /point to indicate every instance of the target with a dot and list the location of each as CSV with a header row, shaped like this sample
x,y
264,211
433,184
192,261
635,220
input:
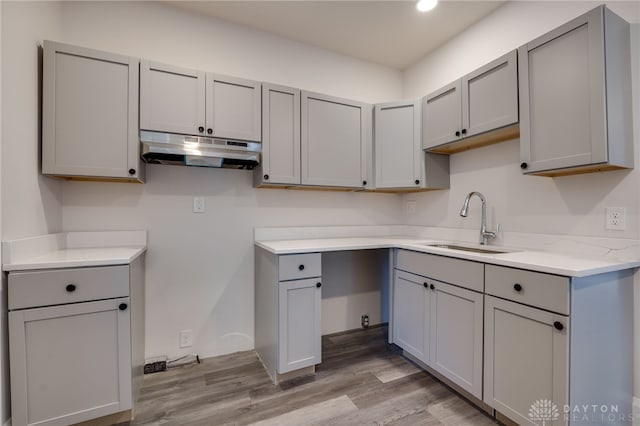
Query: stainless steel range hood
x,y
183,150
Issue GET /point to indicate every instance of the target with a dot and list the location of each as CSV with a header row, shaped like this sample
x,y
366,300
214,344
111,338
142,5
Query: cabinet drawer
x,y
296,266
550,292
54,287
462,273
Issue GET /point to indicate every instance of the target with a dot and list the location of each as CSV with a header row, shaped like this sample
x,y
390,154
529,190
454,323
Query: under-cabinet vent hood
x,y
182,150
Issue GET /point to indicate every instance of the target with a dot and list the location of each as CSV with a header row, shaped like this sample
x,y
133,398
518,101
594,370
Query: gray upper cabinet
x,y
479,109
334,141
399,159
191,102
90,114
172,99
442,115
280,136
575,98
233,108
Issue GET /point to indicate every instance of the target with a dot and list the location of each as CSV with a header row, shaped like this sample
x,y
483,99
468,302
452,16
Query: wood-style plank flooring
x,y
362,381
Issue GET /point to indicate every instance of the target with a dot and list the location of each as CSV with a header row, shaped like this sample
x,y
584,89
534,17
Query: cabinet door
x,y
233,108
411,304
456,335
490,96
333,141
70,363
526,360
398,149
561,79
90,113
172,99
299,320
442,115
280,134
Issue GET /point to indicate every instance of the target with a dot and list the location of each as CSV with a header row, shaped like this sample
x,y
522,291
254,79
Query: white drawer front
x,y
54,287
462,273
296,266
550,292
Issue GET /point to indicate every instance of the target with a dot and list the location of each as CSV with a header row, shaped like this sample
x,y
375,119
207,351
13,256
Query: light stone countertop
x,y
540,261
73,250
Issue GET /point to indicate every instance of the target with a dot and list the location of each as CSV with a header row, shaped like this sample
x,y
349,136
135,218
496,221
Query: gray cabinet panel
x,y
280,136
442,115
398,153
463,273
411,304
90,114
456,335
234,108
400,162
490,96
54,353
567,95
172,99
523,347
479,109
299,318
334,141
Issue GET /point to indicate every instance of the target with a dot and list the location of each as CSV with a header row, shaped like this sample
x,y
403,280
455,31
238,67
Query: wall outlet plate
x,y
615,218
186,338
411,206
198,205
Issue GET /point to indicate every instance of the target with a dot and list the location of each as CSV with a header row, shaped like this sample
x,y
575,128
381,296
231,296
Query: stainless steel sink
x,y
467,248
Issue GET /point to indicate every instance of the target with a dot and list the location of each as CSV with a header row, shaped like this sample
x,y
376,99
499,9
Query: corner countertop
x,y
522,258
73,250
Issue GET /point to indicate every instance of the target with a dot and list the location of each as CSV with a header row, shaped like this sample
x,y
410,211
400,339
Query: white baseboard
x,y
636,411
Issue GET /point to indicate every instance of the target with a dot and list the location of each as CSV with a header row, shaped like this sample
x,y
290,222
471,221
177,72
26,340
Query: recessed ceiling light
x,y
426,5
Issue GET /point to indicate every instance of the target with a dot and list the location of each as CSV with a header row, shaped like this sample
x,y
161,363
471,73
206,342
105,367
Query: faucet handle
x,y
489,234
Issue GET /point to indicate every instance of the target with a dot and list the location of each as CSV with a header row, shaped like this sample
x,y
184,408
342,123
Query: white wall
x,y
4,345
572,205
31,202
200,266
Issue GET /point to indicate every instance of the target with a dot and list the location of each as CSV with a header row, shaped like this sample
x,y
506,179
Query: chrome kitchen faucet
x,y
484,234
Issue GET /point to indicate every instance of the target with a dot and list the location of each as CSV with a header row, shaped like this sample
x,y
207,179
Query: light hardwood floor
x,y
362,381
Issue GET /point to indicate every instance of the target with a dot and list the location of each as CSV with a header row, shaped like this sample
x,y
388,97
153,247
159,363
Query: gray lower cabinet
x,y
456,335
554,345
287,311
299,343
192,102
399,160
520,341
527,360
439,323
280,163
411,314
574,97
90,114
335,141
479,109
81,358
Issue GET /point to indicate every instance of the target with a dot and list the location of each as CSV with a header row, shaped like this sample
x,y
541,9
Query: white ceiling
x,y
391,33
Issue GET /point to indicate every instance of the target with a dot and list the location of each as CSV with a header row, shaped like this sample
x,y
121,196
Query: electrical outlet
x,y
186,338
198,205
615,218
364,321
411,206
